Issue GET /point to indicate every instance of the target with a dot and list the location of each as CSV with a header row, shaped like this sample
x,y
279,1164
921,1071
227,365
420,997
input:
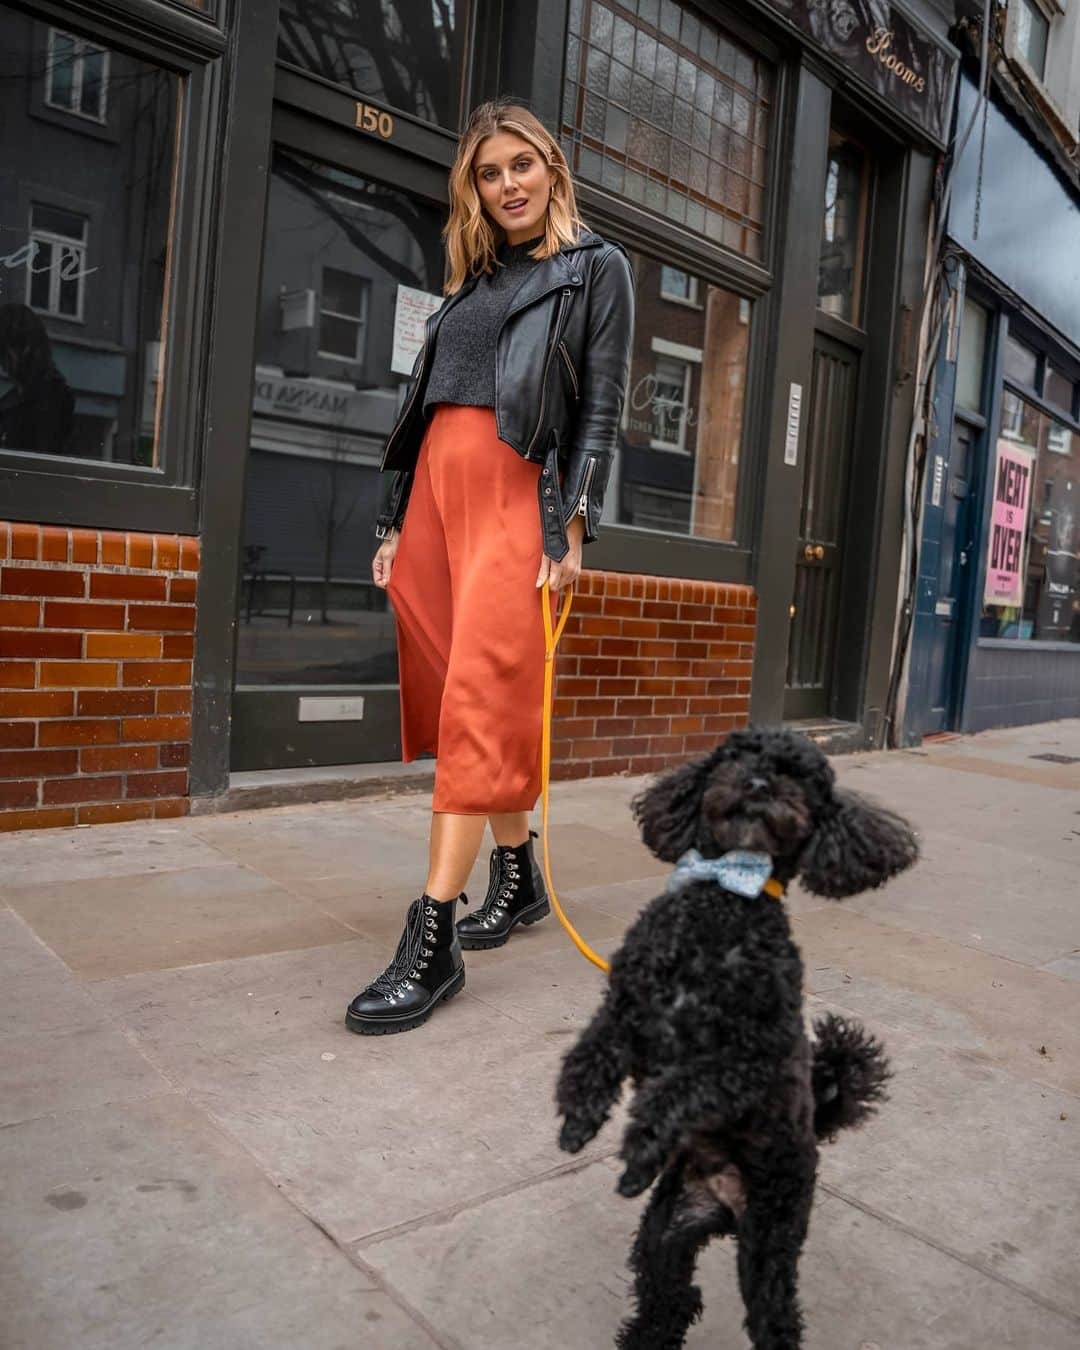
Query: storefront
x,y
996,637
221,235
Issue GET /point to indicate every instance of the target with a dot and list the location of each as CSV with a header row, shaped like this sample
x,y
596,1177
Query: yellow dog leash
x,y
772,886
551,642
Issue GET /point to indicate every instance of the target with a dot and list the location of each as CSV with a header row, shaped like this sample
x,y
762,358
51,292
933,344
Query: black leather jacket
x,y
562,359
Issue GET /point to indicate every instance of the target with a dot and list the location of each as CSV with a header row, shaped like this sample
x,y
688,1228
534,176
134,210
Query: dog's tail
x,y
850,1071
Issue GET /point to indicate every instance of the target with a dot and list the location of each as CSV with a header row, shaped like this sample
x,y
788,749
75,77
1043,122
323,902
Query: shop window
x,y
76,76
843,229
665,108
56,262
343,317
398,53
677,466
1032,574
85,244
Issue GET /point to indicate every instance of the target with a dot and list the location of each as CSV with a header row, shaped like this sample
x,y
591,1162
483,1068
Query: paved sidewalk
x,y
196,1154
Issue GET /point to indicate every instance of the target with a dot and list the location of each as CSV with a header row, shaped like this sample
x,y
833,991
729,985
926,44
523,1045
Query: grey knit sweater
x,y
463,368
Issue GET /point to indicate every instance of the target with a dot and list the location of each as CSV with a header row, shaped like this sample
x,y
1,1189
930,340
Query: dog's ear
x,y
668,809
856,847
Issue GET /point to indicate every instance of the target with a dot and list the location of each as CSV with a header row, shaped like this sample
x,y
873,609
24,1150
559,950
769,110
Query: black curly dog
x,y
704,1014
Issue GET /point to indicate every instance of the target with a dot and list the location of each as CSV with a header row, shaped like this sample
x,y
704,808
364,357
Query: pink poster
x,y
1008,525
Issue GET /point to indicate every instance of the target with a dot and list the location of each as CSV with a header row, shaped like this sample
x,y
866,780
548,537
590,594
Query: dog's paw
x,y
575,1134
635,1180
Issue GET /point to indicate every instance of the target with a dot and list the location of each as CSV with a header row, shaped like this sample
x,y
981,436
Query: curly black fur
x,y
849,1074
704,1014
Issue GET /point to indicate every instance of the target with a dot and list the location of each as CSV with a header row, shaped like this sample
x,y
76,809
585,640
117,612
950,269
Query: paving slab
x,y
58,1051
1006,1007
36,857
365,1132
140,1224
972,1160
104,926
544,1269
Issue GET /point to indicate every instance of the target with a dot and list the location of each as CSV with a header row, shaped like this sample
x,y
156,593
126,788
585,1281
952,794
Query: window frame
x,y
105,494
78,64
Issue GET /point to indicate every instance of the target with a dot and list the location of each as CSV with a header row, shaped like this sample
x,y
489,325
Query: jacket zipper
x,y
570,368
547,368
582,507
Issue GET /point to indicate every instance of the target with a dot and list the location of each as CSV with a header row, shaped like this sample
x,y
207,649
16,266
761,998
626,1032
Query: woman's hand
x,y
384,560
565,573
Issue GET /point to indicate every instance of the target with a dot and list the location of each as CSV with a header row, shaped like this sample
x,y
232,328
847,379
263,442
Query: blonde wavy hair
x,y
470,235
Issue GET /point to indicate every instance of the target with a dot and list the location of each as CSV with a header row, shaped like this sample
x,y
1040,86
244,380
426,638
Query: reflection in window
x,y
1042,559
1059,389
343,321
407,54
87,161
77,75
843,229
677,468
56,262
665,108
1021,363
676,284
351,267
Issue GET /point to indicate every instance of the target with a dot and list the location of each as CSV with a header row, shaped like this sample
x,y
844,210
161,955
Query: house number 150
x,y
371,119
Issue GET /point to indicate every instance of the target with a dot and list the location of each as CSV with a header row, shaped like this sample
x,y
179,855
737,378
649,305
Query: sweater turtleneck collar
x,y
518,252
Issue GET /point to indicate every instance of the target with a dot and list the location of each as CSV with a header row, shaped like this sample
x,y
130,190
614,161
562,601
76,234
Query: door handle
x,y
814,552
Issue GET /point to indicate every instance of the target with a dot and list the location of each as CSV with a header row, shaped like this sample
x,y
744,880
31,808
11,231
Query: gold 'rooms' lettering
x,y
878,44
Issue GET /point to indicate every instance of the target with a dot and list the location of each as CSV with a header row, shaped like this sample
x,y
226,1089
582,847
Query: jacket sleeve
x,y
609,334
392,512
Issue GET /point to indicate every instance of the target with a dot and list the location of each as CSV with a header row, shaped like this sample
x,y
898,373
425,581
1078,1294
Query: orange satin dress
x,y
470,630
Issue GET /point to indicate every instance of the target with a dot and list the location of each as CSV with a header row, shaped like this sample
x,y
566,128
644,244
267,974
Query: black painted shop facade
x,y
771,177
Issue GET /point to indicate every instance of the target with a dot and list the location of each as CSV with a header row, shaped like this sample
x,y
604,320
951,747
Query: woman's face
x,y
514,184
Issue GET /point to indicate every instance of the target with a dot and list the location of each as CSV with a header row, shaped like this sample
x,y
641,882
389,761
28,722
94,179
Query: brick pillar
x,y
650,672
96,646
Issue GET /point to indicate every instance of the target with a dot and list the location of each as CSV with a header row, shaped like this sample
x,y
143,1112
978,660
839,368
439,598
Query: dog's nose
x,y
757,787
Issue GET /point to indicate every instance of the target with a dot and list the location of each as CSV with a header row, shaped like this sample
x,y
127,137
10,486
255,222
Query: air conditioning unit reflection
x,y
297,310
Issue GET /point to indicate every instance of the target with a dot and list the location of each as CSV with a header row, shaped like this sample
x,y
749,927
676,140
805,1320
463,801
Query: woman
x,y
501,452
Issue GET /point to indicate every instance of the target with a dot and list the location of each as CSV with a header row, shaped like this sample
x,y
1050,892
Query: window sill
x,y
1026,645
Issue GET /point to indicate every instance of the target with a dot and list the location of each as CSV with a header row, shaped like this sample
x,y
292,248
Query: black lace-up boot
x,y
427,968
516,894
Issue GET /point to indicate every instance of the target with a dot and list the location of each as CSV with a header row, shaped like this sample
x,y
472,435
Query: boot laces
x,y
504,876
417,943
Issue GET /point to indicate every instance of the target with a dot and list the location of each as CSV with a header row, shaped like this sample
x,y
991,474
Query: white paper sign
x,y
410,314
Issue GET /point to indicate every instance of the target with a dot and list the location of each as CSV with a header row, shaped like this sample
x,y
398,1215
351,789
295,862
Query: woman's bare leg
x,y
455,842
510,828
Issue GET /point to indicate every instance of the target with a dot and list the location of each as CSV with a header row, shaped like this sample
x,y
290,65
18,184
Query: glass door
x,y
351,266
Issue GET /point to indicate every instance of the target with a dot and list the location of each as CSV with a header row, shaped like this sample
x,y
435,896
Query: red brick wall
x,y
96,645
650,672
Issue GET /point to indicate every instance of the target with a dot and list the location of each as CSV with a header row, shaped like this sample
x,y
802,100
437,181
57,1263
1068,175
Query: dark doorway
x,y
822,520
951,488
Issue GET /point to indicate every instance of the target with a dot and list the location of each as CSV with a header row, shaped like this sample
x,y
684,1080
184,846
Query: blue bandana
x,y
738,871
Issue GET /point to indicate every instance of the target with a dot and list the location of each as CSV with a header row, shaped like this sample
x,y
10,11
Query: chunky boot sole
x,y
387,1026
527,916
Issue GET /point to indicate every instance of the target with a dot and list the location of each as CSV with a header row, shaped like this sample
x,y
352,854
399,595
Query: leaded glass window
x,y
665,108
